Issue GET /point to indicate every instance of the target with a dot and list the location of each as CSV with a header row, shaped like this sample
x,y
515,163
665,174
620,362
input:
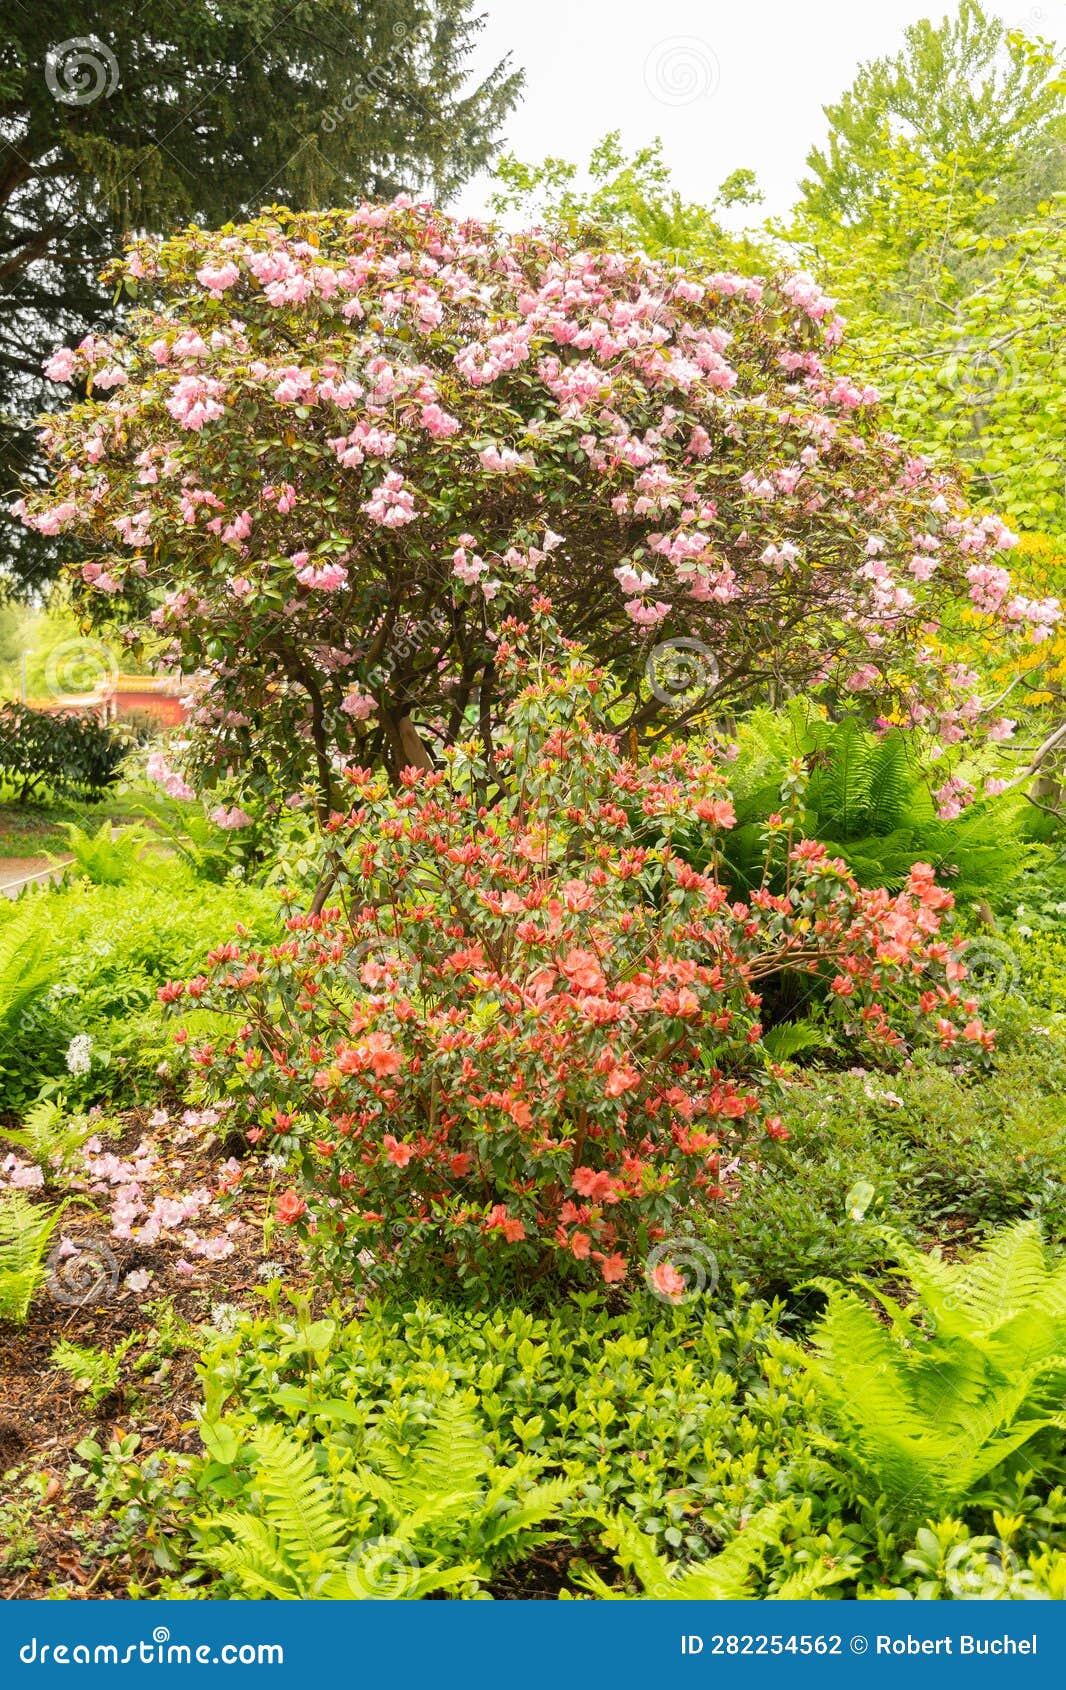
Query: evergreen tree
x,y
146,116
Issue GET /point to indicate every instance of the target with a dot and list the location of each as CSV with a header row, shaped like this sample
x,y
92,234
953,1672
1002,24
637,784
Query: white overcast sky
x,y
723,85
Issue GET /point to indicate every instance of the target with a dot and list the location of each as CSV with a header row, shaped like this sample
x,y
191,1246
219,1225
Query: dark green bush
x,y
938,1153
61,753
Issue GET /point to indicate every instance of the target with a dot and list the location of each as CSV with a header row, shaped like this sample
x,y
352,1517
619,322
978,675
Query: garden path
x,y
19,872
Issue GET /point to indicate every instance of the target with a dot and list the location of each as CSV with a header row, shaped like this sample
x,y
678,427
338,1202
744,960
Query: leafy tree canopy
x,y
628,198
333,448
968,90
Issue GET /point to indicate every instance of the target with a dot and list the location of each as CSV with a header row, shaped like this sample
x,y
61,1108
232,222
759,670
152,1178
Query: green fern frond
x,y
297,1504
95,1372
958,1382
454,1513
807,1583
791,1038
726,1578
250,1558
517,1529
29,964
894,779
25,1233
109,857
48,1136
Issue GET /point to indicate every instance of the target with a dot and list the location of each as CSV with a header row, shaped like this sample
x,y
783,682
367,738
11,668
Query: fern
x,y
109,857
48,1137
867,799
957,1382
449,1491
1006,1300
191,834
405,1525
791,1038
729,1577
25,1233
94,1372
29,964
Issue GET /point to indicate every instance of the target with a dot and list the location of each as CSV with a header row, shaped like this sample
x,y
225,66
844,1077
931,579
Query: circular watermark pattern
x,y
983,1570
681,70
988,372
681,671
379,963
80,71
78,667
383,1569
991,965
79,1274
680,1269
980,377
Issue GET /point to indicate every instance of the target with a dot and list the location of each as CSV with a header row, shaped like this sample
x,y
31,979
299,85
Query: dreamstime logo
x,y
992,966
681,671
86,1275
382,1270
681,70
403,647
379,962
376,84
80,71
383,1569
77,667
680,1269
983,1570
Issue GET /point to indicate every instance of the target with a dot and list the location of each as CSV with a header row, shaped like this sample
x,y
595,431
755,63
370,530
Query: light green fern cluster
x,y
442,1516
50,1137
25,1233
93,1371
930,1396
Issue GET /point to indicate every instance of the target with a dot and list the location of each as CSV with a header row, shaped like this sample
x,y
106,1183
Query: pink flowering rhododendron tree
x,y
332,451
526,1039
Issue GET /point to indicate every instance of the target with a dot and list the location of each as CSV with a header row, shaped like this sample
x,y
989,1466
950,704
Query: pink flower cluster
x,y
174,785
325,428
142,1191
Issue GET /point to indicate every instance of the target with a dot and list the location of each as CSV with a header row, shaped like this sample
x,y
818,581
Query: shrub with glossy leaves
x,y
59,752
525,1038
333,450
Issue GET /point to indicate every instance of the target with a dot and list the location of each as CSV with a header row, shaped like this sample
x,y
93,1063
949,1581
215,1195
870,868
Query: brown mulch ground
x,y
42,1414
50,1544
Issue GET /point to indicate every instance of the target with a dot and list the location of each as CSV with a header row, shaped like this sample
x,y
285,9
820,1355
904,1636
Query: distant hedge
x,y
65,752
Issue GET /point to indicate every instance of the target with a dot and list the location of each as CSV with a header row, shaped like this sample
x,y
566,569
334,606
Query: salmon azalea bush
x,y
333,451
525,1039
